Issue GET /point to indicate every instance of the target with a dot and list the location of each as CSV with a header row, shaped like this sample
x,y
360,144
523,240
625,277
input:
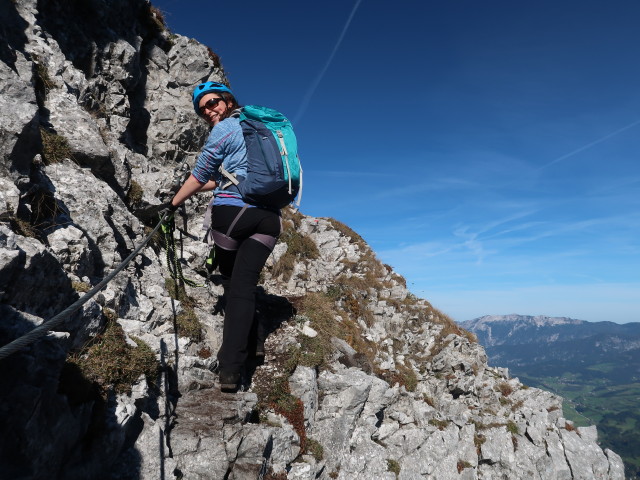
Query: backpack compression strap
x,y
230,176
284,155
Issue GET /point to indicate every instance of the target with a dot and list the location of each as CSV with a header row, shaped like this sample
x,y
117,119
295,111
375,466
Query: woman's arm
x,y
191,186
210,185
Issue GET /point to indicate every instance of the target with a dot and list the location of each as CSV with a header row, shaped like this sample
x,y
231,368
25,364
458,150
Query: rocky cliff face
x,y
361,379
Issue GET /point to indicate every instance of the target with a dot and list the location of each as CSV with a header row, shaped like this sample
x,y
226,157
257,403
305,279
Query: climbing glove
x,y
167,213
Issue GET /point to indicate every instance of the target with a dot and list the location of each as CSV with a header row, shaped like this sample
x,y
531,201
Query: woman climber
x,y
244,234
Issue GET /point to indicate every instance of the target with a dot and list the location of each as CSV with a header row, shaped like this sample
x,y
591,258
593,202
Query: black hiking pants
x,y
242,268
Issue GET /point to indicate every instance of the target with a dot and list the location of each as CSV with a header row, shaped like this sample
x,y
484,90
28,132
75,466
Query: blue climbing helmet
x,y
204,88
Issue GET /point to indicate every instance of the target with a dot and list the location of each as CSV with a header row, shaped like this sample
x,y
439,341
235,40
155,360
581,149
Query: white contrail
x,y
589,145
316,82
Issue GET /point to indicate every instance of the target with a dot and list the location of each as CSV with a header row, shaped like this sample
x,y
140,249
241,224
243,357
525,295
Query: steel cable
x,y
42,330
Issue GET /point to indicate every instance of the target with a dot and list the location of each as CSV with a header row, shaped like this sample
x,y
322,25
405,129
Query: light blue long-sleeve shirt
x,y
224,144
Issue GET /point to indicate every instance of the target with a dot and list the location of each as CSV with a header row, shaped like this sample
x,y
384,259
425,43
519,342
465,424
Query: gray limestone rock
x,y
303,384
9,197
393,398
20,119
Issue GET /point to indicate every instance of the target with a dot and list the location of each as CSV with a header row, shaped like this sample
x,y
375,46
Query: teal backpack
x,y
274,173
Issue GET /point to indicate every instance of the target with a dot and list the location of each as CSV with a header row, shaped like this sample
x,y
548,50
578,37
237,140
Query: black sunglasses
x,y
210,105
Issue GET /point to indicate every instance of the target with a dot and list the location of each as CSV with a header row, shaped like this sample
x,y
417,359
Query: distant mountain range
x,y
595,366
524,340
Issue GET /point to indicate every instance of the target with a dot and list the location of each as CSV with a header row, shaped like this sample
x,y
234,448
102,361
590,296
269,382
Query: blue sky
x,y
488,151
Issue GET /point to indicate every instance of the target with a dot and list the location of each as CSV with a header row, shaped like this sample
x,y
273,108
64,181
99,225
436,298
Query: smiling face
x,y
212,107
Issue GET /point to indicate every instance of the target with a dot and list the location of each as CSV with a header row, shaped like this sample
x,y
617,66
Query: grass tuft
x,y
81,287
55,148
505,389
110,361
462,464
43,81
404,376
134,195
284,266
299,247
346,231
479,440
315,448
393,466
186,322
440,424
274,393
290,214
157,17
178,292
22,227
205,352
188,325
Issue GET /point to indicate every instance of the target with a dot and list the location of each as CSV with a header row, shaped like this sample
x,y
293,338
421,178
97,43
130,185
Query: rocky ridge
x,y
361,379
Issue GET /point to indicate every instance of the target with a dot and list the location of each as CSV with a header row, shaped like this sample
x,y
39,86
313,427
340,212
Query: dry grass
x,y
356,306
274,393
80,287
370,265
205,352
178,292
157,242
313,351
462,464
504,388
322,312
400,279
439,424
134,195
351,292
404,376
43,80
479,440
270,475
299,248
284,267
393,466
315,448
186,322
346,231
299,245
112,363
55,148
320,309
188,325
22,227
292,216
157,18
44,208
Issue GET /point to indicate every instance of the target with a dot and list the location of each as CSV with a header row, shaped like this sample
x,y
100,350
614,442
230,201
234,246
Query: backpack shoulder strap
x,y
237,113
